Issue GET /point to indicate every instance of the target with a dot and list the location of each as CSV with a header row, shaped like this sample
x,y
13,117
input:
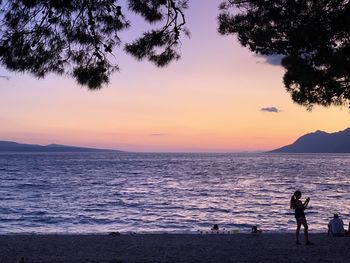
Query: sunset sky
x,y
209,101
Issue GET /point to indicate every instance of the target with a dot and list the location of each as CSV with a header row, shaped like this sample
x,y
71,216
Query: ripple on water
x,y
96,192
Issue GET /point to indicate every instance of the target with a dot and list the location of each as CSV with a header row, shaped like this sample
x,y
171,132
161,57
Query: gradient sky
x,y
209,101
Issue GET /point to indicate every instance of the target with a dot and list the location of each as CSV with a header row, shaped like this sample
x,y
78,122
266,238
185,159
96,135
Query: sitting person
x,y
336,227
256,230
215,227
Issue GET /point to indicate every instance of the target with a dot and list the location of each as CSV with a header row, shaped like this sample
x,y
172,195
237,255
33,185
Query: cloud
x,y
274,60
4,77
158,134
270,109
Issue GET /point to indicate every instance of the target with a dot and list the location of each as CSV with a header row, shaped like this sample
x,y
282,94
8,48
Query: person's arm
x,y
306,202
329,229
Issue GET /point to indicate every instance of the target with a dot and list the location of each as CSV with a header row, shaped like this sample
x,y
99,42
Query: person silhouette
x,y
299,208
215,227
256,231
336,227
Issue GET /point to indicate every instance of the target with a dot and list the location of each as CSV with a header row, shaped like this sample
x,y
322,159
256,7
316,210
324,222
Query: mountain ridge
x,y
319,142
11,146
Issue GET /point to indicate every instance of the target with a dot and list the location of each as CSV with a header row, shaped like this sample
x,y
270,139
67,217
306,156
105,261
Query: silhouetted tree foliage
x,y
77,37
312,35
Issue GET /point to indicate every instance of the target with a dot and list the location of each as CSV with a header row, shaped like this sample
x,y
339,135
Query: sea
x,y
93,193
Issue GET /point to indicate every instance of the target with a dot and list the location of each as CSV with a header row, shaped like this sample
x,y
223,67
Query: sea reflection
x,y
89,193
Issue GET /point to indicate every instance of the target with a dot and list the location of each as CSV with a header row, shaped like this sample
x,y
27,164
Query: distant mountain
x,y
319,142
8,146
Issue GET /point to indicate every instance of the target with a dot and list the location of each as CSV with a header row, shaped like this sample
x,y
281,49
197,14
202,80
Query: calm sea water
x,y
103,192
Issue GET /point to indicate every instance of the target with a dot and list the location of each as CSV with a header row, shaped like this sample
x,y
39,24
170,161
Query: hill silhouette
x,y
319,142
9,146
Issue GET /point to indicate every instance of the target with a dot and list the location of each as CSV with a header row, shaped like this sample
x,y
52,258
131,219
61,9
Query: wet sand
x,y
171,248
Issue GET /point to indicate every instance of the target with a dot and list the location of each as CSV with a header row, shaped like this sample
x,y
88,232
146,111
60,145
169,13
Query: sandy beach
x,y
171,248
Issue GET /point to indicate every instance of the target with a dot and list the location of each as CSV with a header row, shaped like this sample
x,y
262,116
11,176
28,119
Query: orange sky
x,y
208,101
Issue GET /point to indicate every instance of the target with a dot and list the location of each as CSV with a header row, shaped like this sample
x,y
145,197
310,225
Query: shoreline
x,y
234,231
267,247
133,233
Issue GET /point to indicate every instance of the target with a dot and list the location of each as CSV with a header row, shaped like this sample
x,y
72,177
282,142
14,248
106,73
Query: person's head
x,y
254,229
335,216
215,227
296,196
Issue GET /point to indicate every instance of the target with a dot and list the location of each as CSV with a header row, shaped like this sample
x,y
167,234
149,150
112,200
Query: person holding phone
x,y
299,208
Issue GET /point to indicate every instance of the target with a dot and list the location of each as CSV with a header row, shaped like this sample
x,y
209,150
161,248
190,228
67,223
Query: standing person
x,y
299,208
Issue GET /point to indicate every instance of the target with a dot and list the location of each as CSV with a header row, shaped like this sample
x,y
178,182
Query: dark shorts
x,y
301,218
338,235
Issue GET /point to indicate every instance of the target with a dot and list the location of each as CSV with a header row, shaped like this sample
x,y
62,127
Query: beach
x,y
268,247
